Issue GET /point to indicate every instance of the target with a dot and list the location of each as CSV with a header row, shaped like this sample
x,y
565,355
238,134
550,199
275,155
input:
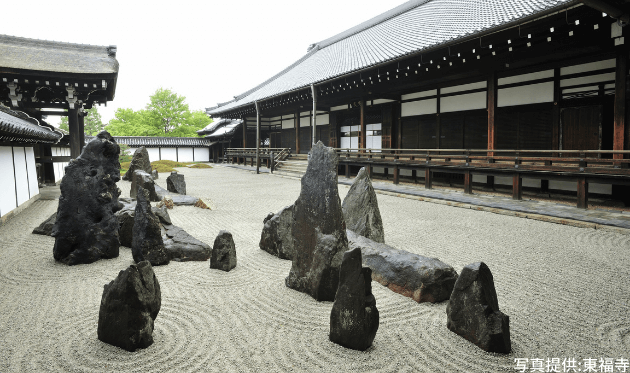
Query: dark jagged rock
x,y
175,183
360,209
223,252
143,180
155,175
473,310
415,276
268,217
45,228
140,161
178,199
126,217
162,214
354,317
182,247
129,306
319,230
276,236
147,243
86,228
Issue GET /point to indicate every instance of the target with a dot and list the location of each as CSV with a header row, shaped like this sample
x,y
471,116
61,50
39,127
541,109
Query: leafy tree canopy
x,y
166,115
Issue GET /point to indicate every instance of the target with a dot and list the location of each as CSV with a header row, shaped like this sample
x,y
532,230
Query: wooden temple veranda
x,y
529,94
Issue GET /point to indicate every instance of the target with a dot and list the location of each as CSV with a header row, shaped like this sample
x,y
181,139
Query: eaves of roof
x,y
413,27
52,56
227,129
148,141
18,127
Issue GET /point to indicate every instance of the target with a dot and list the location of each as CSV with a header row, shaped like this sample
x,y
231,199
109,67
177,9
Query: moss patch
x,y
200,165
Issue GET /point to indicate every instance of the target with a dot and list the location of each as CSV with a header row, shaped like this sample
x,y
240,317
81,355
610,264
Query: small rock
x,y
418,277
129,306
178,199
276,238
473,310
167,202
155,175
201,204
175,183
354,317
45,228
147,243
126,218
140,161
142,179
223,252
360,209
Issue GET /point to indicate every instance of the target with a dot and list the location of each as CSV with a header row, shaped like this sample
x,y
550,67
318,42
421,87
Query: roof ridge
x,y
402,8
50,43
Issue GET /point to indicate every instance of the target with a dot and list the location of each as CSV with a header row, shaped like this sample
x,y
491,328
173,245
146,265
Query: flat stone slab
x,y
183,247
178,199
45,228
415,276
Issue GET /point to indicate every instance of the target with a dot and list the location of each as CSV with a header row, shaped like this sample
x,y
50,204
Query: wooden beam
x,y
620,101
517,187
81,119
428,178
467,183
396,174
49,113
75,136
582,193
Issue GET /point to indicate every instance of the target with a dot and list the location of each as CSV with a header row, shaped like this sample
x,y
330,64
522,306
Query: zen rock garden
x,y
336,250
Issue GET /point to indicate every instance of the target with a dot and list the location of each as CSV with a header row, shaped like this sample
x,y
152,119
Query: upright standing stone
x,y
223,252
276,238
354,317
175,183
473,310
129,306
147,243
155,175
140,161
360,209
142,179
86,228
319,230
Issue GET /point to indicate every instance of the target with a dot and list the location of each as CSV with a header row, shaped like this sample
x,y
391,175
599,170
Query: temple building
x,y
37,76
485,91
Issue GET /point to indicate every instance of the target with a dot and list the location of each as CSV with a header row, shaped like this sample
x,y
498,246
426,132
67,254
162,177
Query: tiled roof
x,y
136,141
227,128
45,55
17,126
213,126
407,29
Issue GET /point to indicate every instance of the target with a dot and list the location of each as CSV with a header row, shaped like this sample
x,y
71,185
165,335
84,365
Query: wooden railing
x,y
271,156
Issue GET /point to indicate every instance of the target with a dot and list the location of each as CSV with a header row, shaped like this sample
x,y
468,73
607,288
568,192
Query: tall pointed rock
x,y
360,209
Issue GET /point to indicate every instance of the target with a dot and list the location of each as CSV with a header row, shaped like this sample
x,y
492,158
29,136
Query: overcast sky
x,y
207,51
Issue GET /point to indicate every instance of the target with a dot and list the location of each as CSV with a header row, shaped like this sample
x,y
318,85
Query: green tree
x,y
168,109
127,122
92,122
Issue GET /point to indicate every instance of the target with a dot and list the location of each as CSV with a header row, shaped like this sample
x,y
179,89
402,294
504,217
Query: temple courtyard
x,y
564,288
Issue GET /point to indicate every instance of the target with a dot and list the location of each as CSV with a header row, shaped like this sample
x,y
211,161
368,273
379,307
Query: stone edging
x,y
17,210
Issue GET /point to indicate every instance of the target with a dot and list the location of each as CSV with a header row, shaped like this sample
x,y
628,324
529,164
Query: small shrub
x,y
200,165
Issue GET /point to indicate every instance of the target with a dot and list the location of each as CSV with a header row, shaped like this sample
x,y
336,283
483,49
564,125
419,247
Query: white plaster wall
x,y
588,79
464,87
21,175
373,127
154,154
185,154
419,107
605,64
527,94
340,107
410,96
7,181
33,185
323,119
525,77
381,101
468,101
288,123
202,154
169,154
305,121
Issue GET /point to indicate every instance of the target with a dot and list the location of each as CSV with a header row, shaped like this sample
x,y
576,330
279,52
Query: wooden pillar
x,y
428,181
314,120
244,133
544,186
467,183
297,132
582,193
517,187
396,174
347,171
75,135
363,126
81,118
555,113
620,101
492,106
257,137
369,170
399,126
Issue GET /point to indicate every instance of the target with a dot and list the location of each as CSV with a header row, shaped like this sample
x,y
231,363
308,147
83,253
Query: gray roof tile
x,y
18,127
409,28
136,141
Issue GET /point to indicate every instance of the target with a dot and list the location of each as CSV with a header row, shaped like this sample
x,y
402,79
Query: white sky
x,y
207,51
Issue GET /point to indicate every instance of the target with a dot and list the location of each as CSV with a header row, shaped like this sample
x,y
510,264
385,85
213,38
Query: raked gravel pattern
x,y
565,289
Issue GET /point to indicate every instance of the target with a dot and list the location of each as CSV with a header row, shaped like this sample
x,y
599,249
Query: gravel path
x,y
564,288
